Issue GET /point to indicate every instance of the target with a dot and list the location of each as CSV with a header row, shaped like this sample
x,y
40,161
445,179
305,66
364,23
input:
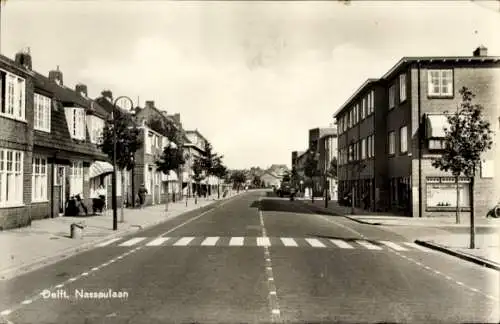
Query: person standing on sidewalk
x,y
142,195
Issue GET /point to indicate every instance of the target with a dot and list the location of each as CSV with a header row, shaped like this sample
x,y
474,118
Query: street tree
x,y
311,170
128,142
220,171
198,175
256,181
171,159
238,177
467,138
331,172
175,134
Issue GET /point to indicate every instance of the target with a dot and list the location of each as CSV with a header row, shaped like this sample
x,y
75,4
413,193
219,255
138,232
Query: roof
x,y
408,60
362,88
67,96
59,136
196,132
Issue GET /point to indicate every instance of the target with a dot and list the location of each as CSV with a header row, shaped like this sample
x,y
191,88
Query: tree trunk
x,y
472,218
457,209
122,217
352,199
326,192
312,190
218,188
166,192
196,193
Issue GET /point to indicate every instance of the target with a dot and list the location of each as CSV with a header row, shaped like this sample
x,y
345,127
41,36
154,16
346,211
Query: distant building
x,y
270,179
393,126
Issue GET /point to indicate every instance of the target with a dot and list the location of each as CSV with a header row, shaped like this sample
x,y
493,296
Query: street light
x,y
123,99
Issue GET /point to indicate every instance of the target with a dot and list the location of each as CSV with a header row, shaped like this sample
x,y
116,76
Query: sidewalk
x,y
47,241
441,234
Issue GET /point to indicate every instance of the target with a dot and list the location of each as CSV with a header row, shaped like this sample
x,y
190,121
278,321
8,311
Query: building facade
x,y
392,147
49,143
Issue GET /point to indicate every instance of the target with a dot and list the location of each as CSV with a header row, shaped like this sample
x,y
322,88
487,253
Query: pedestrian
x,y
101,193
81,204
142,195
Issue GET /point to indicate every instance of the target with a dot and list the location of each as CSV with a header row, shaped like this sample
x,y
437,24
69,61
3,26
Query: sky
x,y
252,77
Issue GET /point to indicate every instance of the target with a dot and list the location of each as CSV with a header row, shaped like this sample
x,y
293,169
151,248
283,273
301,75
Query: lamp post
x,y
123,99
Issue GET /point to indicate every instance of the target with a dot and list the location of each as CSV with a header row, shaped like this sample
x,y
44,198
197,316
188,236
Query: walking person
x,y
142,195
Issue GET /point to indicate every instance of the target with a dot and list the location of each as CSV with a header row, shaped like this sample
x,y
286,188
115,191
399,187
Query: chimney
x,y
23,58
107,94
480,51
81,89
56,76
150,103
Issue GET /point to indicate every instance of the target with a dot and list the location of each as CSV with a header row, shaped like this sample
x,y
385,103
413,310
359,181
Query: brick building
x,y
391,128
319,138
49,150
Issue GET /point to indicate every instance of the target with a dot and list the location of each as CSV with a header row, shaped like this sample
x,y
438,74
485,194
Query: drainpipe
x,y
52,185
420,144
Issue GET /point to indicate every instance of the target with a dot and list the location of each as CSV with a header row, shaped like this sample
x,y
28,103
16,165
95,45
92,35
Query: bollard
x,y
76,231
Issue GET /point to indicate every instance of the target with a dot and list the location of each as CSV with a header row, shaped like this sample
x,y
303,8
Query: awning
x,y
99,168
435,125
172,176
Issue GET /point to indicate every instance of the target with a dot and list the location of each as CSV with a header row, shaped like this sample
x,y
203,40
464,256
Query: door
x,y
61,181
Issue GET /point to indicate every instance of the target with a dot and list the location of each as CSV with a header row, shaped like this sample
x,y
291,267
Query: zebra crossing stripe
x,y
368,245
133,241
236,241
341,244
394,246
315,242
288,241
210,241
158,241
184,241
263,241
108,242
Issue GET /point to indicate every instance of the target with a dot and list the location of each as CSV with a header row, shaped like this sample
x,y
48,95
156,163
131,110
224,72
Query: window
x,y
392,96
42,112
351,153
39,179
76,178
345,122
403,139
349,119
96,128
11,177
363,149
356,113
442,192
437,144
12,96
370,148
148,142
76,122
371,102
440,82
363,108
402,87
392,142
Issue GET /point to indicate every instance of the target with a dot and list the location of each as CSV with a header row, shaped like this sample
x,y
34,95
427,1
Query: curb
x,y
461,255
16,271
361,221
318,209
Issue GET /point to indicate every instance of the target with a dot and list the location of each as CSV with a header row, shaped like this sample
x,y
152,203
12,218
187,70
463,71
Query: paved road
x,y
256,259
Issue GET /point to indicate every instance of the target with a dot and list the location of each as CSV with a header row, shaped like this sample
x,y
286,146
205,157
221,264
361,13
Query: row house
x,y
386,148
195,148
156,182
48,143
320,142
